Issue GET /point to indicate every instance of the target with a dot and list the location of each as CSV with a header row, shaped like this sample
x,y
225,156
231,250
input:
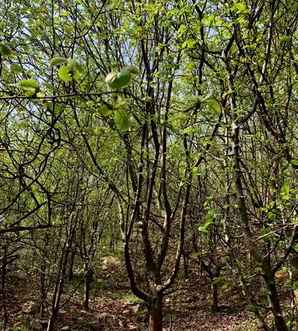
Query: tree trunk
x,y
214,307
155,315
279,320
71,264
52,319
88,281
185,264
3,288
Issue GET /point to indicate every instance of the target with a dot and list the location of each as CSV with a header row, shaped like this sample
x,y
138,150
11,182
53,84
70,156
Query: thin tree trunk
x,y
214,307
276,309
71,264
52,319
275,304
3,289
43,290
88,281
185,264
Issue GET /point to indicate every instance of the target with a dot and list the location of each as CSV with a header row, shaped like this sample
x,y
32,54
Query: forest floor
x,y
113,307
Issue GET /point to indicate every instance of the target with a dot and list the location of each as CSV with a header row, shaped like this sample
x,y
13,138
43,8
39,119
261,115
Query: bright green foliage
x,y
213,104
5,50
29,86
208,221
64,74
294,163
121,79
69,71
121,119
58,60
207,113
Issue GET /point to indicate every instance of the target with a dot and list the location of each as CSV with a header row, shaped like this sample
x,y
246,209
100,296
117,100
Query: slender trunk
x,y
155,315
214,287
214,307
43,290
3,289
88,281
71,264
279,320
59,287
52,319
275,305
185,264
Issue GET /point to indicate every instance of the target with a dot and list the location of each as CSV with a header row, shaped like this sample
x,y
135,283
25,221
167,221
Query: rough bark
x,y
155,314
274,301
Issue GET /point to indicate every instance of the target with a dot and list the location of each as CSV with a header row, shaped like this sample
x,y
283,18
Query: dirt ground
x,y
113,307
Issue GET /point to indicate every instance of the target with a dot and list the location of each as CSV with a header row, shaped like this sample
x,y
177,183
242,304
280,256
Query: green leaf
x,y
209,220
72,64
64,74
121,120
5,50
213,105
285,191
240,8
190,43
28,83
294,163
75,69
58,60
30,92
132,69
16,68
29,86
120,80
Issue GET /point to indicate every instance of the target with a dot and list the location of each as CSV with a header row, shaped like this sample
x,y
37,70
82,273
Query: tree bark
x,y
279,320
3,287
71,264
214,307
155,314
276,309
88,281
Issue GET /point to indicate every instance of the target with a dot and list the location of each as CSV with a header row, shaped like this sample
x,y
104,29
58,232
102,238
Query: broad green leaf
x,y
121,120
240,7
209,220
120,80
75,69
64,74
213,104
29,92
58,60
294,163
190,43
28,83
285,191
